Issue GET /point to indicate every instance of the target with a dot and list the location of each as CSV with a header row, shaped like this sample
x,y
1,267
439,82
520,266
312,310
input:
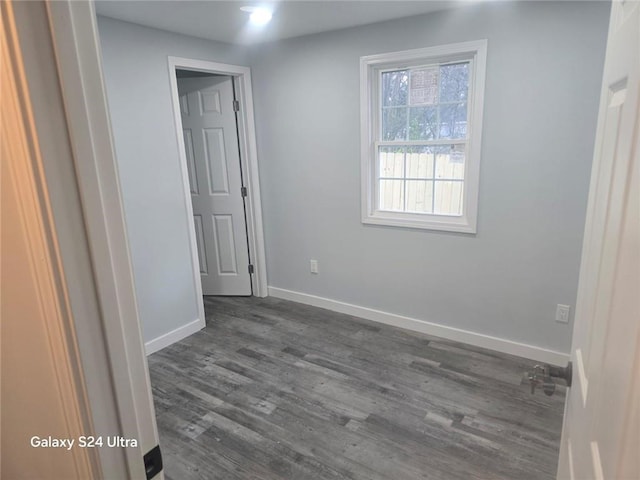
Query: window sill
x,y
441,223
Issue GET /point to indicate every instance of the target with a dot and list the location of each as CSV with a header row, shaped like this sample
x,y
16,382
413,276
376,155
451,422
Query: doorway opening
x,y
208,110
214,120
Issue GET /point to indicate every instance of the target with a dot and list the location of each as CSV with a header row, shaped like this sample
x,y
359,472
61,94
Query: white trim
x,y
249,165
77,49
407,220
450,333
152,346
476,53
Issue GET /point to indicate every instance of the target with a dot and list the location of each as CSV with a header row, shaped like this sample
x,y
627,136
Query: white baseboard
x,y
510,347
174,336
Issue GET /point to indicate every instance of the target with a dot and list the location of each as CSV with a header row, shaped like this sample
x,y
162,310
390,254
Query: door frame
x,y
241,77
108,330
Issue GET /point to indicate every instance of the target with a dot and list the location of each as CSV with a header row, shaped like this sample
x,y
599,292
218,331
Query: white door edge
x,y
602,403
76,43
249,164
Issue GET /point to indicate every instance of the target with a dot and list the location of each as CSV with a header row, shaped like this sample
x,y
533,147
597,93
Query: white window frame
x,y
370,70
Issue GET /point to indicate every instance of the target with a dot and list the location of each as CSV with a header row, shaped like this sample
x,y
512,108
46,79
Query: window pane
x,y
392,195
420,162
448,198
450,162
424,86
453,121
423,123
392,162
394,123
419,196
394,88
417,121
454,82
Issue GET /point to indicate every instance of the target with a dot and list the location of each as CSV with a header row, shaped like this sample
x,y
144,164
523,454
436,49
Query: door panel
x,y
216,161
225,241
213,162
602,405
191,166
209,102
202,255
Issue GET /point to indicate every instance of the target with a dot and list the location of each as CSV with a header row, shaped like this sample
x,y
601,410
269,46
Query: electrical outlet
x,y
562,313
314,266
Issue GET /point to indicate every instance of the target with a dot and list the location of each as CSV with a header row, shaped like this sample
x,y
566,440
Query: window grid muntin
x,y
378,178
380,108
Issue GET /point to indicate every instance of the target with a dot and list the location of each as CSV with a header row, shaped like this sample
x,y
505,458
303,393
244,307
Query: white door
x,y
601,434
213,161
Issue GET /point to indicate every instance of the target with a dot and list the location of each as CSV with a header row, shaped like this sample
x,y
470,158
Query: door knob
x,y
543,375
565,373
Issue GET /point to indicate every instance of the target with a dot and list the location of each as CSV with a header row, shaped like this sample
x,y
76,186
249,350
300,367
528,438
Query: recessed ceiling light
x,y
259,16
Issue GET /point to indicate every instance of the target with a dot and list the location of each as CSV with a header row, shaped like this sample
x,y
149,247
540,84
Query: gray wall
x,y
137,78
543,80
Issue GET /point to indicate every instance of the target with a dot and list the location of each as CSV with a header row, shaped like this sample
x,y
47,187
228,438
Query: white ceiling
x,y
223,20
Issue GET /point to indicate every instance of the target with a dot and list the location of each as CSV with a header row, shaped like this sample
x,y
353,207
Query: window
x,y
421,132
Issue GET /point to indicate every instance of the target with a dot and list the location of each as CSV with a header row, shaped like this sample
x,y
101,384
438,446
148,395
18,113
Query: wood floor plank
x,y
272,389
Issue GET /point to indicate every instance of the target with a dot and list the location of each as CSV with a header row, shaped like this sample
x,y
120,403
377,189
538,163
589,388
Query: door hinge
x,y
250,269
236,106
243,191
153,462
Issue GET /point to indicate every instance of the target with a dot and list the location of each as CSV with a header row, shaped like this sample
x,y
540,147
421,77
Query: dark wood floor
x,y
272,389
